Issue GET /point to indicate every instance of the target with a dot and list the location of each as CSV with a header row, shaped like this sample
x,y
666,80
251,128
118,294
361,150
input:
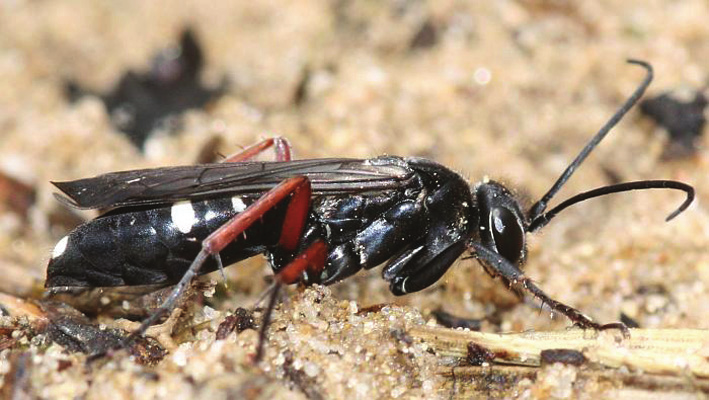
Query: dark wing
x,y
170,184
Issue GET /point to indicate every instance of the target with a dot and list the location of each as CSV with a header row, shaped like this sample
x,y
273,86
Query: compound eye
x,y
507,233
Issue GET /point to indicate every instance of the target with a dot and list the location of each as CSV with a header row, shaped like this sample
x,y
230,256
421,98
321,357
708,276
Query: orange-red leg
x,y
281,147
310,261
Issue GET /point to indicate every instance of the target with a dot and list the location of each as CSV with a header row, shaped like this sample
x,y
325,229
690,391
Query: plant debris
x,y
684,121
241,320
142,102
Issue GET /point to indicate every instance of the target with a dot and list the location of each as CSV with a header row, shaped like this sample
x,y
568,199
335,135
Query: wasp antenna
x,y
684,205
539,207
543,219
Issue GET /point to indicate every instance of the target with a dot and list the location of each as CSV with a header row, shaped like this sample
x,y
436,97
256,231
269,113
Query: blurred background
x,y
510,90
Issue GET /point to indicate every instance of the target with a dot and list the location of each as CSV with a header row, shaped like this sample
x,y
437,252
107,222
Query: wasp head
x,y
502,226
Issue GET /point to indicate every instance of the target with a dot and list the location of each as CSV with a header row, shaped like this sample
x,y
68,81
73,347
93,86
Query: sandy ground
x,y
509,90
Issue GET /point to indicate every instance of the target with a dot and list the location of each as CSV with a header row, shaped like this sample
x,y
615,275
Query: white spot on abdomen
x,y
183,216
209,215
238,204
60,247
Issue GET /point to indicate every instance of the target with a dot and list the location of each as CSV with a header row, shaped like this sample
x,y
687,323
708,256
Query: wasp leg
x,y
420,267
311,262
298,187
516,278
281,146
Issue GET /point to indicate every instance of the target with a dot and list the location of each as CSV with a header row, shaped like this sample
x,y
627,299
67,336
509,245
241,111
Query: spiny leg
x,y
281,147
516,278
310,261
298,186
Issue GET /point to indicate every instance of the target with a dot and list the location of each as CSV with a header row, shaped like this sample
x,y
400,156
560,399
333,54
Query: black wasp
x,y
319,220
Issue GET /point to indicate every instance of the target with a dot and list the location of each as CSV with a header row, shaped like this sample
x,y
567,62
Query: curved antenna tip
x,y
639,62
687,202
644,64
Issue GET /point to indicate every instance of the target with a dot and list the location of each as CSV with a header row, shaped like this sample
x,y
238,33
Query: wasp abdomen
x,y
136,246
